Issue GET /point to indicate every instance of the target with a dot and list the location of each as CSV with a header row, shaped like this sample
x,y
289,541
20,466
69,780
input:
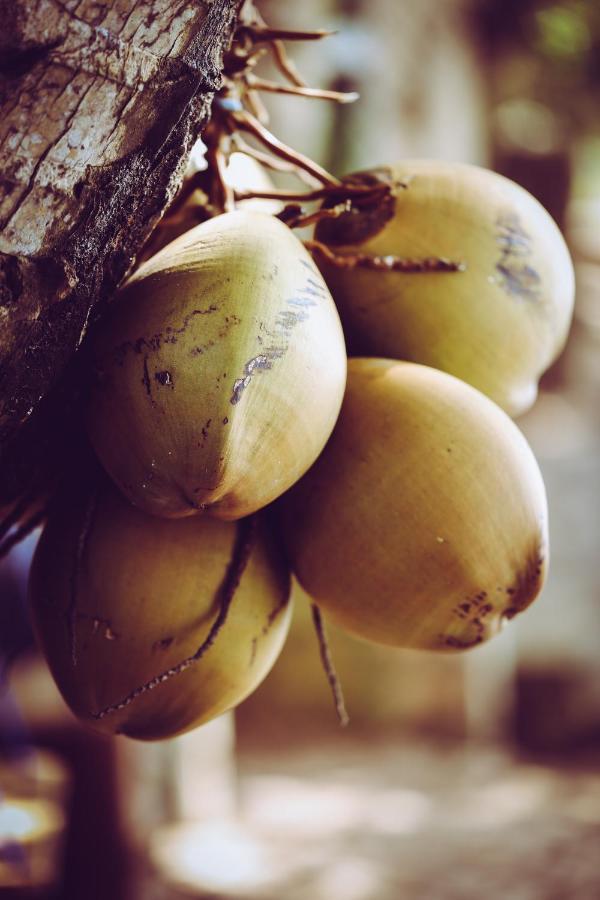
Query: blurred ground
x,y
379,820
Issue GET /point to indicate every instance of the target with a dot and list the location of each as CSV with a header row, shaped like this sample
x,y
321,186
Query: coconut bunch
x,y
411,508
239,446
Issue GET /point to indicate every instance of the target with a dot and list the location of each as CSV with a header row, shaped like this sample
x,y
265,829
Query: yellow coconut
x,y
497,325
424,521
219,372
122,601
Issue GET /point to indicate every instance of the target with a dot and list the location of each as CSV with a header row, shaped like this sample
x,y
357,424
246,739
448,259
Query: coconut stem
x,y
264,33
24,530
295,217
217,158
384,263
341,191
262,84
266,160
285,65
16,513
327,660
244,543
245,121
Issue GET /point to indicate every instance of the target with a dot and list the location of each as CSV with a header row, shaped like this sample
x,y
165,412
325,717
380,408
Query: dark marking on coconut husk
x,y
153,343
455,643
296,310
253,649
517,277
244,544
72,613
163,643
474,609
257,363
368,215
146,378
526,586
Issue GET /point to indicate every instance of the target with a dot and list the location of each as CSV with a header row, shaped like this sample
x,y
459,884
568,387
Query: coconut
x,y
153,626
219,372
424,521
498,324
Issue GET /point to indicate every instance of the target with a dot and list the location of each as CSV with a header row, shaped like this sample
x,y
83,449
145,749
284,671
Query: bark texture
x,y
99,105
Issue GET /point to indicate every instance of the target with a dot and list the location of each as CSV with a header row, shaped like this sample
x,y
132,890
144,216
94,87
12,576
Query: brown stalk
x,y
342,191
295,217
265,159
223,192
247,122
384,263
285,65
327,660
256,106
264,33
16,513
273,87
23,531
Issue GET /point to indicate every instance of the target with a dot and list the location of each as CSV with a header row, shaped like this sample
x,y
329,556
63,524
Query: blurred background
x,y
459,776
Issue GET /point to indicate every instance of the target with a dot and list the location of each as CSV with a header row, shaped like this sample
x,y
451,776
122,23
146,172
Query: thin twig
x,y
244,543
265,159
256,106
246,122
285,65
224,196
327,660
340,191
384,263
273,87
263,33
16,513
23,531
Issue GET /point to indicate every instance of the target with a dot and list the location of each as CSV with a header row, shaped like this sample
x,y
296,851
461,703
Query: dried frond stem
x,y
264,33
327,660
295,217
265,159
23,531
256,106
16,513
384,263
273,87
285,65
246,122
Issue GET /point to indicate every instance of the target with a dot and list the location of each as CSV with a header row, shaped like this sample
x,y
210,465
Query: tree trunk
x,y
100,103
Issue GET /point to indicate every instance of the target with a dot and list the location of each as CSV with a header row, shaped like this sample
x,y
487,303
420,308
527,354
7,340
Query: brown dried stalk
x,y
384,263
327,660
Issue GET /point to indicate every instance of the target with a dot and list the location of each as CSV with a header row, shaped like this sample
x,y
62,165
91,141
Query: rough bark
x,y
99,105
